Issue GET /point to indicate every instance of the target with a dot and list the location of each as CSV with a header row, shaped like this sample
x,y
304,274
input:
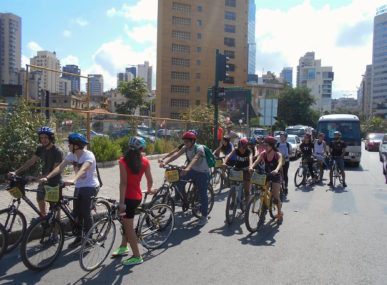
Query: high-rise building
x,y
318,79
75,80
287,75
124,77
64,86
188,34
49,80
379,64
10,48
96,85
252,48
144,71
132,70
365,92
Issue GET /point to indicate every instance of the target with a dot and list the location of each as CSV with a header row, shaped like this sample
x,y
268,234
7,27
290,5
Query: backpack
x,y
210,158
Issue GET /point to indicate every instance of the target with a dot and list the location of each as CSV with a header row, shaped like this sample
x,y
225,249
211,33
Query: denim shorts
x,y
339,162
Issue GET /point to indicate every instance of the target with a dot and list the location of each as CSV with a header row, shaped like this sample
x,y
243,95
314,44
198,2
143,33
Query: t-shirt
x,y
133,189
201,164
227,150
284,150
220,133
50,157
242,159
90,177
306,149
337,147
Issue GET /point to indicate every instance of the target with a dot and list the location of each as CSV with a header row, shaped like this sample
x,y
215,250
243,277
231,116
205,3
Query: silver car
x,y
383,148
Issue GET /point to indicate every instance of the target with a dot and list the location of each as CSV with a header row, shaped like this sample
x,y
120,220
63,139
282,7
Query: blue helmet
x,y
137,143
78,139
252,140
47,131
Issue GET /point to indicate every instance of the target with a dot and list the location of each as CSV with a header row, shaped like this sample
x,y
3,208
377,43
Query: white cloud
x,y
329,32
67,33
34,47
81,21
144,10
24,60
70,59
143,34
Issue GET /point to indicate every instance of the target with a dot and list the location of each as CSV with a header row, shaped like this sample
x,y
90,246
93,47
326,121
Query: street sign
x,y
268,109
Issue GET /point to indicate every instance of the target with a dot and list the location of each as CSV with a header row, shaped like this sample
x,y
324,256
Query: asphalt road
x,y
327,237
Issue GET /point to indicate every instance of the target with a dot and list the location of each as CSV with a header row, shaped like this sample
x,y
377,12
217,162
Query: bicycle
x,y
302,174
336,171
44,238
236,196
3,240
262,201
154,227
219,177
190,197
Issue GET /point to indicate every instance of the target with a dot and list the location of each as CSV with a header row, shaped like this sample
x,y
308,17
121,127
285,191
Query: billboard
x,y
268,110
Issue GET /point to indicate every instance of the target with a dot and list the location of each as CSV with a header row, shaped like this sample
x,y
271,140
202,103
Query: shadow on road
x,y
264,237
230,230
222,196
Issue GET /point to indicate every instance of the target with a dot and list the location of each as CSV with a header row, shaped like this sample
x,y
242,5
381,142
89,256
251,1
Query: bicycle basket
x,y
15,192
16,188
172,175
236,175
218,163
52,193
258,179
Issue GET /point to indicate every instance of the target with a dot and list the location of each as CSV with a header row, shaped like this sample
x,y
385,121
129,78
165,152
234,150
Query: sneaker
x,y
77,241
344,184
133,261
202,221
121,251
330,184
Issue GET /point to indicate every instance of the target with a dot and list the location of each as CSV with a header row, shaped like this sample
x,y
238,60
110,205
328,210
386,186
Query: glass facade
x,y
251,38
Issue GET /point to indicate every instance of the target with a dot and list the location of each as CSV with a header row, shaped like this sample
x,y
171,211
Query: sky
x,y
105,36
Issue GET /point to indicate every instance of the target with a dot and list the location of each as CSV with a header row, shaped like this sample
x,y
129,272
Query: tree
x,y
135,91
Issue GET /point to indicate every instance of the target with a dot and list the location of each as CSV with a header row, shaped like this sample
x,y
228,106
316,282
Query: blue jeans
x,y
201,180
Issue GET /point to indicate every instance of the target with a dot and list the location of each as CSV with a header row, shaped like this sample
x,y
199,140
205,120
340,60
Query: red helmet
x,y
270,140
189,136
243,142
308,134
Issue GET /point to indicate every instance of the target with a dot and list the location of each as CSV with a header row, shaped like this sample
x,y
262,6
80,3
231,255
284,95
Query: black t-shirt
x,y
49,157
337,147
306,149
242,160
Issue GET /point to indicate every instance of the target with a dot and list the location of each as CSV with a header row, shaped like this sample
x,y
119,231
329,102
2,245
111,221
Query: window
x,y
230,42
181,21
198,49
200,8
180,75
198,62
229,15
179,103
229,28
176,116
197,89
199,22
197,75
197,102
230,3
179,35
179,89
229,53
199,36
180,62
180,48
229,80
231,67
180,7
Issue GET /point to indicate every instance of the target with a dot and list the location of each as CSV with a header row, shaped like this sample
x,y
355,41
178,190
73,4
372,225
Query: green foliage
x,y
105,150
18,136
254,122
164,146
135,91
374,125
123,143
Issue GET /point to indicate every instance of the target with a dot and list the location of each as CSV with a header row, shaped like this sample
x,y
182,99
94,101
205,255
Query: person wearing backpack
x,y
200,159
284,148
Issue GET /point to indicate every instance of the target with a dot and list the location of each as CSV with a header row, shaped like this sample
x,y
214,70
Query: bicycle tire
x,y
40,234
262,216
100,209
231,205
3,240
163,196
9,219
273,210
99,239
299,174
156,226
216,181
252,213
196,203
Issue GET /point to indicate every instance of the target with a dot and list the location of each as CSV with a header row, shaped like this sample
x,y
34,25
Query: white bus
x,y
349,126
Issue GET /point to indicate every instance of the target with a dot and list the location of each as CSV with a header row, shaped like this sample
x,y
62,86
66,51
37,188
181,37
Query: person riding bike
x,y
226,147
132,167
272,159
197,170
244,159
177,148
51,156
337,151
260,147
251,144
86,181
320,148
306,148
284,147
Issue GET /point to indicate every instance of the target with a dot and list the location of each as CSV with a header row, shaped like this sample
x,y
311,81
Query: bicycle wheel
x,y
216,181
15,224
197,204
97,244
299,177
100,209
163,197
3,240
252,213
156,226
273,210
231,205
262,216
42,243
339,173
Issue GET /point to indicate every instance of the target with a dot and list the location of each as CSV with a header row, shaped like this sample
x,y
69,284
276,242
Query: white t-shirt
x,y
90,178
201,164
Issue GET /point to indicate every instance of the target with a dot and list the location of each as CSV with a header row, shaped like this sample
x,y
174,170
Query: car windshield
x,y
375,136
292,140
298,132
349,130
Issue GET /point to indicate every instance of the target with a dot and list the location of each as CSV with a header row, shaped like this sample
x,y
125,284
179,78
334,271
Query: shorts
x,y
339,162
41,193
131,206
275,178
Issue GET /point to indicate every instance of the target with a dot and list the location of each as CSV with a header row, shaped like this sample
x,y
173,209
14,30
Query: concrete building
x,y
49,80
64,86
287,75
75,80
345,105
252,48
115,98
126,76
144,71
379,64
188,34
10,48
365,93
318,79
34,83
96,85
69,102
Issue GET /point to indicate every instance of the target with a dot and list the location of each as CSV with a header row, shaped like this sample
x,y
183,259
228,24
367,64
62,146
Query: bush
x,y
105,149
123,143
162,146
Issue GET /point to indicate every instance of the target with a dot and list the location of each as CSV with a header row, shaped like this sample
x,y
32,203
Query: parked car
x,y
93,134
124,132
383,148
146,136
373,140
295,143
255,132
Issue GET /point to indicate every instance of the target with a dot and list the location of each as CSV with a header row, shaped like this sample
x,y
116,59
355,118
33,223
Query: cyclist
x,y
51,156
244,158
197,170
85,180
226,147
306,148
337,151
320,149
132,167
252,146
260,146
272,159
233,135
284,147
176,149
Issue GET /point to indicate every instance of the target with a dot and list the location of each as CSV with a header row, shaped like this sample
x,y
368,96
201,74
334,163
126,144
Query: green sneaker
x,y
133,261
121,251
